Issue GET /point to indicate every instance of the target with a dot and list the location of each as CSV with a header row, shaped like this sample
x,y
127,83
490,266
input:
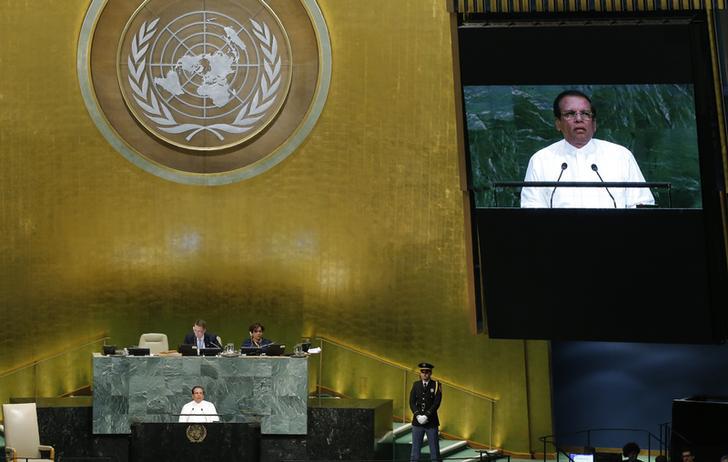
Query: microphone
x,y
596,170
564,166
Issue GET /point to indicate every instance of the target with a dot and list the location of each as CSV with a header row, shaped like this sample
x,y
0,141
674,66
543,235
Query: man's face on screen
x,y
198,394
576,128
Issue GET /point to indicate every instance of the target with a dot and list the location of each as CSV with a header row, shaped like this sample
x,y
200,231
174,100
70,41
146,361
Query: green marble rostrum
x,y
269,390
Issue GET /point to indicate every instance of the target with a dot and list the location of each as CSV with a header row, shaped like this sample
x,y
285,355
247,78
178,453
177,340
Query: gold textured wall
x,y
360,235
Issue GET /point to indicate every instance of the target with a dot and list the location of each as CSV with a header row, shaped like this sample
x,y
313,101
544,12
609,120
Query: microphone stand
x,y
551,200
596,170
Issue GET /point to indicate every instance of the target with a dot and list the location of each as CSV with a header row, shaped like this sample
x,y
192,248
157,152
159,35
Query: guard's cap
x,y
425,366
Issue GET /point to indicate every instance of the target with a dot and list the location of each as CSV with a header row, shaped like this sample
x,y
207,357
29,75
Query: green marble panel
x,y
271,391
119,370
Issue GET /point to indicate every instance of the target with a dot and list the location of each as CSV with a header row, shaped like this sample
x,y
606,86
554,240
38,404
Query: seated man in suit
x,y
200,338
256,339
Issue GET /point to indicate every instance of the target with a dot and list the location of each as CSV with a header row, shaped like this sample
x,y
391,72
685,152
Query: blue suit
x,y
210,340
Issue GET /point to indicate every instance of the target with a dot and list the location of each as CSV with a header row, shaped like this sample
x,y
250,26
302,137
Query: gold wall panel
x,y
359,235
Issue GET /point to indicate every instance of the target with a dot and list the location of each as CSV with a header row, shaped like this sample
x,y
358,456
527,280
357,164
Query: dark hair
x,y
630,448
661,458
564,94
201,323
255,325
196,387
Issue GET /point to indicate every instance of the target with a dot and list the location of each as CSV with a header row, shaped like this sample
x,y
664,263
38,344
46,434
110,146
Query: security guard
x,y
424,401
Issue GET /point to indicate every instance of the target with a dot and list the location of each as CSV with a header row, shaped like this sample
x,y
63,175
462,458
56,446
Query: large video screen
x,y
507,124
654,271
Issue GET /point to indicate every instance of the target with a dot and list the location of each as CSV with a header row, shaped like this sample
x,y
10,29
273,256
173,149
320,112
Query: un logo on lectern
x,y
196,433
204,91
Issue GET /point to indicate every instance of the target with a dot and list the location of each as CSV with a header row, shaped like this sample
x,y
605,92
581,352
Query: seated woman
x,y
256,339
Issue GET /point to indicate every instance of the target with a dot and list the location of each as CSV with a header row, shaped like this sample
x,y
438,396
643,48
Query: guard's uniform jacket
x,y
425,401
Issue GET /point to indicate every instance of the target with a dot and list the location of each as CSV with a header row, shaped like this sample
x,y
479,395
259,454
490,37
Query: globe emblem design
x,y
205,80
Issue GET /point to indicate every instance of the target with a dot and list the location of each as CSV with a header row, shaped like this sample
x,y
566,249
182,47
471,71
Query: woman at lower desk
x,y
256,339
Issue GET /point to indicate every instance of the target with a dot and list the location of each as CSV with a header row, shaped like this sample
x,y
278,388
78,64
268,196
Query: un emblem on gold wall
x,y
204,91
205,79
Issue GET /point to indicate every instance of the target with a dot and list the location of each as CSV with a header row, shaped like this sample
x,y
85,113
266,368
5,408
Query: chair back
x,y
21,429
156,343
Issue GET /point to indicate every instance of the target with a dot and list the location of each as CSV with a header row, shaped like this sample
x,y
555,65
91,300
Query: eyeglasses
x,y
571,115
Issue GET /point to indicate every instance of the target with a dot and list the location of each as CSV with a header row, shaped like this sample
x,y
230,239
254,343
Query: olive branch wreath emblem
x,y
250,113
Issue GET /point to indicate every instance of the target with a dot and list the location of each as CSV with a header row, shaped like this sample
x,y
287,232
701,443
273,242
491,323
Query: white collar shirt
x,y
614,163
202,412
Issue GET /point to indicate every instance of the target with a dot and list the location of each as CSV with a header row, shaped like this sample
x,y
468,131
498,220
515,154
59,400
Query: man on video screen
x,y
581,157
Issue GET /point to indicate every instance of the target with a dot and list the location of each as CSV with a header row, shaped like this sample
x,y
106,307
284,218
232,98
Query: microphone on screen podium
x,y
596,170
564,166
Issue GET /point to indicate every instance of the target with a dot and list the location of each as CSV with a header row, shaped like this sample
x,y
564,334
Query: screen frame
x,y
688,59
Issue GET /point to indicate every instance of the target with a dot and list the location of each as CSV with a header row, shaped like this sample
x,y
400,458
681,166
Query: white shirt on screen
x,y
194,412
614,162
